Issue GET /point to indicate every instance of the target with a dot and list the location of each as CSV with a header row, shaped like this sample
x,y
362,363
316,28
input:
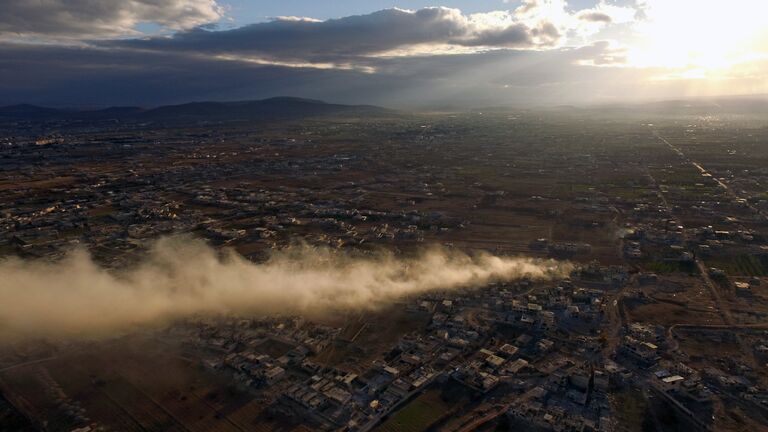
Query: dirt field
x,y
668,314
374,333
130,386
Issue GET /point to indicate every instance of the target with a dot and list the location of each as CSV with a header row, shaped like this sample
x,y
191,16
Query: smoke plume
x,y
181,277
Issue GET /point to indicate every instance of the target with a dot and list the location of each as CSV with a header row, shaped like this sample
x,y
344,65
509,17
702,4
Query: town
x,y
659,326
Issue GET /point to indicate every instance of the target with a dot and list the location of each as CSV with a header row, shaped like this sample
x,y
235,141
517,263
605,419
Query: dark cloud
x,y
100,18
354,36
394,57
513,35
595,16
87,76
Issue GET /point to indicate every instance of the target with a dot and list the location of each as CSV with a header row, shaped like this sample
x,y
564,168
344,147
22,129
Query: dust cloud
x,y
181,277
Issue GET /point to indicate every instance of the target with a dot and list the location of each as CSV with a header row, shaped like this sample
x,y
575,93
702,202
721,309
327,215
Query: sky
x,y
406,54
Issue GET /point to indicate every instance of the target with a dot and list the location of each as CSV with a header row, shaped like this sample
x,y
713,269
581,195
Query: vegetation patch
x,y
742,265
418,415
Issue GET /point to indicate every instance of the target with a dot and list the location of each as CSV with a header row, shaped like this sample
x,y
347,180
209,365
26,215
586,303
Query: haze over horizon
x,y
407,54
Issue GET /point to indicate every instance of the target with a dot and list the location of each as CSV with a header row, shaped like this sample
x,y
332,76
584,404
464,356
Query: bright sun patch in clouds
x,y
547,51
702,37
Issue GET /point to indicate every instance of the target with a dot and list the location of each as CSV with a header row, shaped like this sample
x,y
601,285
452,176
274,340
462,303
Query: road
x,y
615,321
728,190
60,354
671,330
496,411
722,308
28,363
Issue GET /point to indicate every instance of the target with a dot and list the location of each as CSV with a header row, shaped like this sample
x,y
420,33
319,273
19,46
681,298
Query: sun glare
x,y
697,35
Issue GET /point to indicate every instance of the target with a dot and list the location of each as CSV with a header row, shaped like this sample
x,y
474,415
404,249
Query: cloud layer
x,y
542,52
93,77
182,277
348,38
100,18
393,57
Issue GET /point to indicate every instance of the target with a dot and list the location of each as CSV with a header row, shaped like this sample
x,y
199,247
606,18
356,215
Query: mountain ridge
x,y
274,108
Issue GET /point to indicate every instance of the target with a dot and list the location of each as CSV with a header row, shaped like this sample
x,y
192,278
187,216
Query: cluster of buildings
x,y
533,347
112,211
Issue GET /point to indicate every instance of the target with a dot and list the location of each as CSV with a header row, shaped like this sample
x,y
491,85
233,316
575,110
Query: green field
x,y
418,415
741,265
666,267
631,409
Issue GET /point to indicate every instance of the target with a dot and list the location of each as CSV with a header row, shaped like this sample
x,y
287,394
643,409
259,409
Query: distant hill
x,y
273,108
28,112
751,105
267,109
739,105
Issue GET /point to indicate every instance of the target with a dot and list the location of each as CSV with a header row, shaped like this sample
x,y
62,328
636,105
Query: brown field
x,y
668,314
133,385
37,184
381,331
699,343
